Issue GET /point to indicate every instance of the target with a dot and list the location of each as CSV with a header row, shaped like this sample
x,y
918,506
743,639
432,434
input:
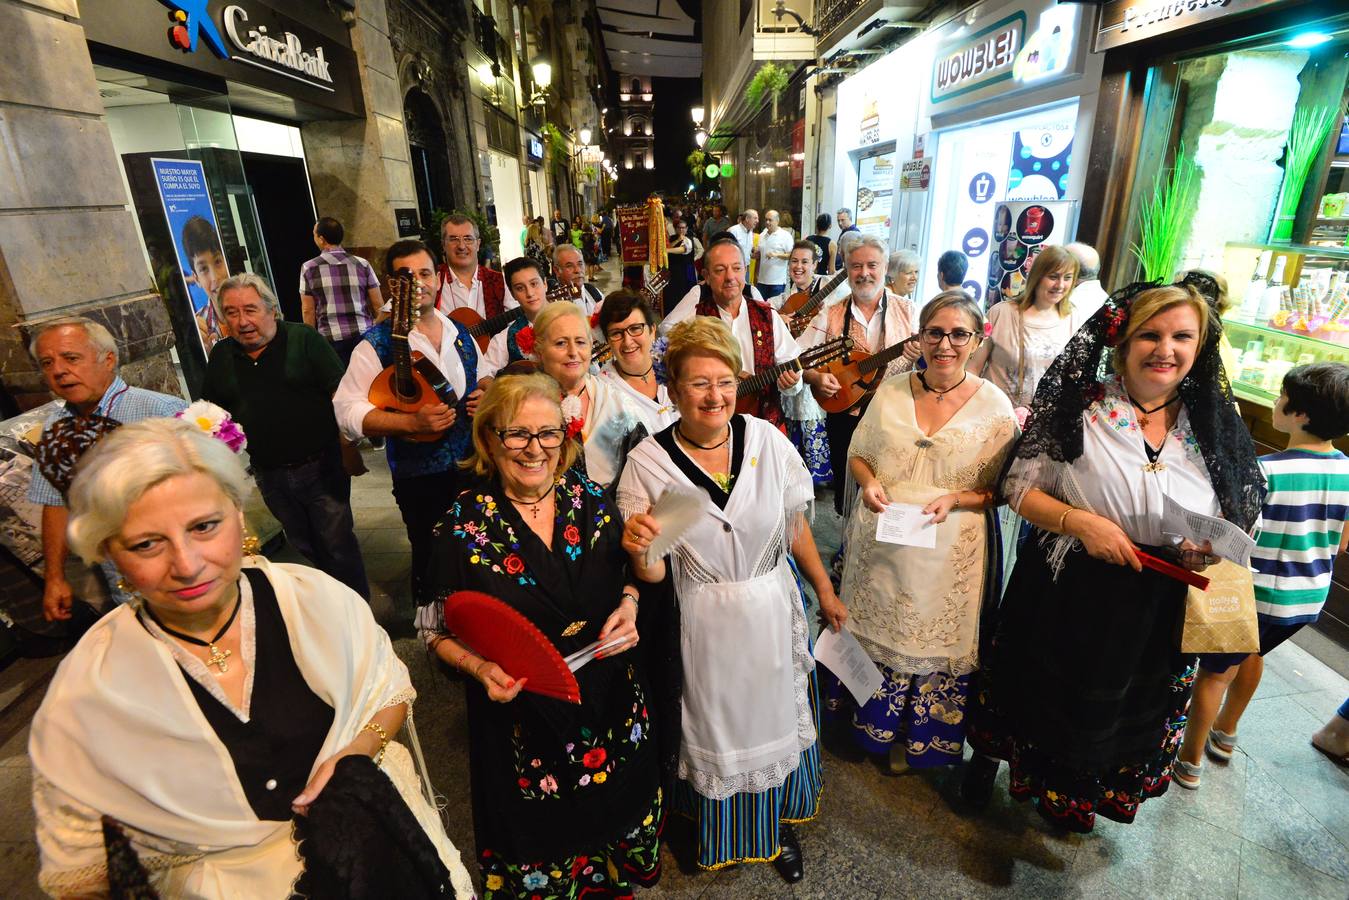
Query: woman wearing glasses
x,y
933,440
629,325
595,410
749,764
566,799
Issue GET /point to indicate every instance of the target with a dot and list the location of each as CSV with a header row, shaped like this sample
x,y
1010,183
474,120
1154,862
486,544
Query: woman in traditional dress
x,y
749,763
201,718
682,274
566,801
595,410
528,284
935,439
1084,688
805,417
629,325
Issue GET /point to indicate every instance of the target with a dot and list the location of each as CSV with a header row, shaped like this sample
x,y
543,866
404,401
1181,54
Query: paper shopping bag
x,y
1222,618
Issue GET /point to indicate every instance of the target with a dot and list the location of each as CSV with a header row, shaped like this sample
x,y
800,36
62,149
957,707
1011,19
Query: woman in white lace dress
x,y
749,763
934,439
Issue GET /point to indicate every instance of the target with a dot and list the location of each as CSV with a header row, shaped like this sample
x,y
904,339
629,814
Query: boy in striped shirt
x,y
1302,528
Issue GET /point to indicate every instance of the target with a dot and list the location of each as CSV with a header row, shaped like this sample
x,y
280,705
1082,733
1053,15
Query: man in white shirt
x,y
425,474
1088,295
744,234
775,246
876,319
463,283
570,269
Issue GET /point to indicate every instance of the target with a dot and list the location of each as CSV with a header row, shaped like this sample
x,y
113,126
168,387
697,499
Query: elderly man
x,y
764,337
78,360
570,270
952,266
464,283
1088,295
277,380
875,318
339,293
845,226
744,234
775,247
425,472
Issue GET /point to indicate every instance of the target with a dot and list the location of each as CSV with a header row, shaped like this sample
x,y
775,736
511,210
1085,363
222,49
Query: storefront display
x,y
875,191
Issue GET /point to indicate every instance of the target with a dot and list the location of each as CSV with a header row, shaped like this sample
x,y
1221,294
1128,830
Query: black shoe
x,y
976,787
788,863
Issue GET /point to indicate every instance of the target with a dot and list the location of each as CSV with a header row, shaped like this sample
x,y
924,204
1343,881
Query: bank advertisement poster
x,y
196,239
632,234
1019,231
875,193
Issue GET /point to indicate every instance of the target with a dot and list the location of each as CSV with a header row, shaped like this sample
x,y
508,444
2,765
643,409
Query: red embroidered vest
x,y
761,317
493,290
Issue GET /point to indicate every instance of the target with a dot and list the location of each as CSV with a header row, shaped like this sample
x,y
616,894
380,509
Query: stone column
x,y
359,170
68,243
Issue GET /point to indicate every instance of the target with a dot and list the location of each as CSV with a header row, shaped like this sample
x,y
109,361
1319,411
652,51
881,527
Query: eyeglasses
x,y
460,241
636,330
519,438
959,337
703,386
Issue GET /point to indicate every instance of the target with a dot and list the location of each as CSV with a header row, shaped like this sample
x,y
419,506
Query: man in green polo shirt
x,y
277,380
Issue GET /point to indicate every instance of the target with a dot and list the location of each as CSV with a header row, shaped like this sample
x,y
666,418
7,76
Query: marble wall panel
x,y
46,62
30,139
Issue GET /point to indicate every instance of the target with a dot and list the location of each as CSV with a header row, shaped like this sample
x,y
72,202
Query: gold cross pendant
x,y
217,658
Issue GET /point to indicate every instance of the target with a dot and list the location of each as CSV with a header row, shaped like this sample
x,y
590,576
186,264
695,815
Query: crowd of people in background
x,y
1037,437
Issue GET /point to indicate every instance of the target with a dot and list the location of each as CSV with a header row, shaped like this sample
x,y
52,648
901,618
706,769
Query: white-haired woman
x,y
194,724
901,273
595,410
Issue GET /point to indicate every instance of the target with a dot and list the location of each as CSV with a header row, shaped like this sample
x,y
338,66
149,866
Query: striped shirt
x,y
339,283
1299,533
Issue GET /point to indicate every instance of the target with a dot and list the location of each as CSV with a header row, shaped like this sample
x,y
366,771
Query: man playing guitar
x,y
464,283
425,473
875,319
570,268
764,338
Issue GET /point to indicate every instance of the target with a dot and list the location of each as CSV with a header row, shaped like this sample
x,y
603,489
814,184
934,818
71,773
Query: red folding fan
x,y
497,632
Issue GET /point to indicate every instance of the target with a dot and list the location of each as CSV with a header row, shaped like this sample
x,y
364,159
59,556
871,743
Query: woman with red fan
x,y
565,795
749,761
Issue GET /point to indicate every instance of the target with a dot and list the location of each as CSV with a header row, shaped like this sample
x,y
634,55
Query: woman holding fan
x,y
565,797
1084,688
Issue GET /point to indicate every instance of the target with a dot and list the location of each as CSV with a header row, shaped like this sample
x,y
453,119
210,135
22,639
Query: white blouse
x,y
656,414
1043,341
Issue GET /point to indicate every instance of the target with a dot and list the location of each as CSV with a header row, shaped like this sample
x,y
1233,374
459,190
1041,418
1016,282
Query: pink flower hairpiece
x,y
216,422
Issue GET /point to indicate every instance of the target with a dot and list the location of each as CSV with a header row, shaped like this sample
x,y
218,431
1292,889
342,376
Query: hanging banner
x,y
875,194
632,234
915,174
196,239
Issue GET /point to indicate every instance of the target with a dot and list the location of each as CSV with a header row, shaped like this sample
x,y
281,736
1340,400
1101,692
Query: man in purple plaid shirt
x,y
339,292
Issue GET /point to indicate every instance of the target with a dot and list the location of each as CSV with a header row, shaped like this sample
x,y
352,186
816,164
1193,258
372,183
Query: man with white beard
x,y
875,318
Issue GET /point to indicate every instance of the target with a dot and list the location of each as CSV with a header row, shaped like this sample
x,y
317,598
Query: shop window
x,y
503,133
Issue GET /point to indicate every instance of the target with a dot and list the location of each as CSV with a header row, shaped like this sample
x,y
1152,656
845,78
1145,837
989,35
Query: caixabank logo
x,y
190,20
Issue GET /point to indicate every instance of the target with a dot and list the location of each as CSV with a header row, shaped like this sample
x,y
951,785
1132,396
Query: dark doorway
x,y
430,160
280,186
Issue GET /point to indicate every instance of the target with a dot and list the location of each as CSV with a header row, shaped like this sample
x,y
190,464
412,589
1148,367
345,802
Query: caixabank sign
x,y
246,42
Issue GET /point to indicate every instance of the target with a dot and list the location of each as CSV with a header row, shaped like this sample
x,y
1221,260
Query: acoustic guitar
x,y
751,386
483,330
859,374
651,293
801,307
412,381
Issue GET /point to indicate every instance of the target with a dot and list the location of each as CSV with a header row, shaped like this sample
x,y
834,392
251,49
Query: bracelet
x,y
1064,517
629,595
383,739
956,505
459,663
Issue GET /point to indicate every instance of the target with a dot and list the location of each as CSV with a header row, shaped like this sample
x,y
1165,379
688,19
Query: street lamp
x,y
543,71
585,137
698,113
700,137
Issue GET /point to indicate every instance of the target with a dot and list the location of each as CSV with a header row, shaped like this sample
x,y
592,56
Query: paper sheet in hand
x,y
1228,541
842,655
906,523
588,653
676,510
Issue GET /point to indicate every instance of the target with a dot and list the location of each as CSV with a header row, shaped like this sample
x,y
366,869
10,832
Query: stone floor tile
x,y
18,870
1277,822
1265,873
1276,731
16,793
1159,856
1321,704
1302,670
383,540
14,752
1221,798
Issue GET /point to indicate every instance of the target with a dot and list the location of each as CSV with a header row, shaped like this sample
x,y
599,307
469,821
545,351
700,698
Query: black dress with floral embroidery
x,y
566,798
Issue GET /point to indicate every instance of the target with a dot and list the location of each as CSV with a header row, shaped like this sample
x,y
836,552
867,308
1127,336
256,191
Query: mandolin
x,y
748,391
859,374
801,307
412,381
483,330
651,293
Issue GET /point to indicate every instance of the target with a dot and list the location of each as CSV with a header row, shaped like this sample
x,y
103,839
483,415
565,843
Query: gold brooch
x,y
573,629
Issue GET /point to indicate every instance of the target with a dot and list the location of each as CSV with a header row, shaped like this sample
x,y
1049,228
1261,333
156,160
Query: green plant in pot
x,y
1311,126
1163,216
770,81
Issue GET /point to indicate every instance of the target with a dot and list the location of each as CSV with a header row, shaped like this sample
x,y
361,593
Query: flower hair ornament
x,y
524,339
217,423
1052,438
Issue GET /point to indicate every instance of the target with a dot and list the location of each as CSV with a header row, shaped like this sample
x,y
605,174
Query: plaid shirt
x,y
338,282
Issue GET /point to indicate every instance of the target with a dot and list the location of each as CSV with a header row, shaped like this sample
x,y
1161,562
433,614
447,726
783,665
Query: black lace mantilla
x,y
1075,380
